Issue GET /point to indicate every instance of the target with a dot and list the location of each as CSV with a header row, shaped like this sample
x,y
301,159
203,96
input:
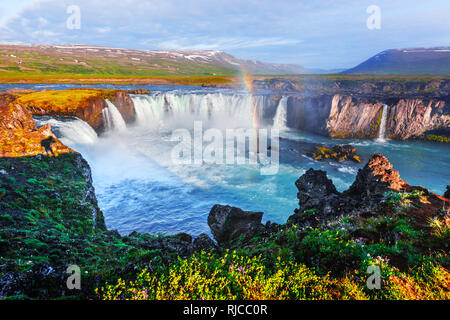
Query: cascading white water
x,y
112,117
107,119
180,110
280,119
71,131
382,130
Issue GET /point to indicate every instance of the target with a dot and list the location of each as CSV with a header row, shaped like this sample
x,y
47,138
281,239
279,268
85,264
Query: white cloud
x,y
103,29
223,43
322,33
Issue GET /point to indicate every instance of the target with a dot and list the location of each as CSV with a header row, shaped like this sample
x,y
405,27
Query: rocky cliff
x,y
86,104
356,110
415,117
20,137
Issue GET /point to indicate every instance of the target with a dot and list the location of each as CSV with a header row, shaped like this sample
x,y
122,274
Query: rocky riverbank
x,y
50,220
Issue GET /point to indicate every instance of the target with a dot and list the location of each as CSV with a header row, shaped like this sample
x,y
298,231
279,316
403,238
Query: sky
x,y
313,33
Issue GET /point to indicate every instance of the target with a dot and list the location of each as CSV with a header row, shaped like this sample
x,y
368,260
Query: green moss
x,y
436,138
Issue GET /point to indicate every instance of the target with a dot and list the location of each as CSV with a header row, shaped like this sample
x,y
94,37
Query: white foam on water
x,y
71,131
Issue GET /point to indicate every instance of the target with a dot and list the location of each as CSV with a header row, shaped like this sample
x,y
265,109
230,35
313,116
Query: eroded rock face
x,y
124,104
353,119
91,113
320,202
14,116
228,223
412,117
19,136
348,116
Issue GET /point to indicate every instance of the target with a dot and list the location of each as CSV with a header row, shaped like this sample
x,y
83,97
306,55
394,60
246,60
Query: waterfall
x,y
280,119
181,109
112,118
382,130
70,130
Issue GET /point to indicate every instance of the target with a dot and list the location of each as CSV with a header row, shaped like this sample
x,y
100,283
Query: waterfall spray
x,y
382,131
72,131
112,117
280,119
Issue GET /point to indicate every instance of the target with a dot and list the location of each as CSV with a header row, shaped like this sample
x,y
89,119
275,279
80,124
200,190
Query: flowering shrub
x,y
207,276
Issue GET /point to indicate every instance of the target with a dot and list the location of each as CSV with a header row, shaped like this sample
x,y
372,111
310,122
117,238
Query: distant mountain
x,y
325,71
258,67
407,61
95,60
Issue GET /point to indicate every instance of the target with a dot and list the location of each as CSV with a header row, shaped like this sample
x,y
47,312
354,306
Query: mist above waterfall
x,y
215,110
382,131
113,118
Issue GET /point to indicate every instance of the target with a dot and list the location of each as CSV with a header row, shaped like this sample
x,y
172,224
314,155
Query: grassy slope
x,y
61,101
44,66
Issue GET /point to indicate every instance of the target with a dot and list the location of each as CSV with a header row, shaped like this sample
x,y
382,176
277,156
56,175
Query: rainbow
x,y
248,82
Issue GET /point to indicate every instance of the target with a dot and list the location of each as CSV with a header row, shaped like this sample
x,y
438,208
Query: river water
x,y
140,187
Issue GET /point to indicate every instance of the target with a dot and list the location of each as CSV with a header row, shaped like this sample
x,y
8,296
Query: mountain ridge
x,y
91,59
432,60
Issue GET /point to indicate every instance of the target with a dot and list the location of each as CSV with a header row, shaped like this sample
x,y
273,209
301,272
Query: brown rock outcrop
x,y
320,202
19,136
377,177
15,116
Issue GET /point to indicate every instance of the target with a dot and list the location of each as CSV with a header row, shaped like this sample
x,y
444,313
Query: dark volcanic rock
x,y
347,149
40,280
179,244
228,223
204,242
315,190
320,202
447,193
